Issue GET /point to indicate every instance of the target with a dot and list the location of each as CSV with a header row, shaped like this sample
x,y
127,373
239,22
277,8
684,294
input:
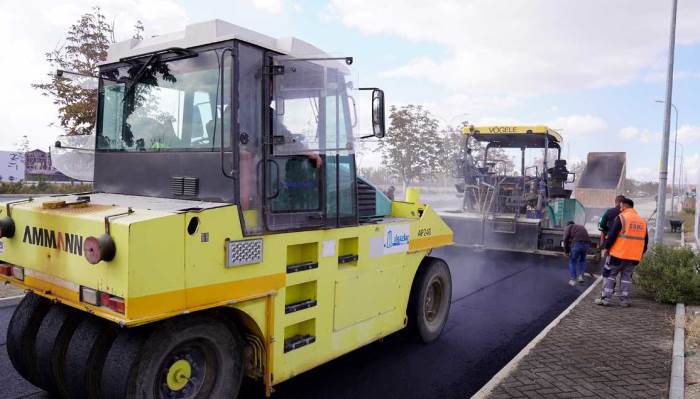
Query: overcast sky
x,y
591,68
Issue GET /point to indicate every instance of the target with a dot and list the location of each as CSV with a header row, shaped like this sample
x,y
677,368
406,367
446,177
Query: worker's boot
x,y
602,302
572,282
580,278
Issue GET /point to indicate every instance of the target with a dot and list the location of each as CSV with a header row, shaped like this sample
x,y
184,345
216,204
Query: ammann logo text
x,y
71,243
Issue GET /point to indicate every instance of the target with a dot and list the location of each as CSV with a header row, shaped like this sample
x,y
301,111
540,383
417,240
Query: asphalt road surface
x,y
500,302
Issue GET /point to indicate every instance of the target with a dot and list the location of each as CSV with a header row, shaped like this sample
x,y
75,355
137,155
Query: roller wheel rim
x,y
187,371
433,303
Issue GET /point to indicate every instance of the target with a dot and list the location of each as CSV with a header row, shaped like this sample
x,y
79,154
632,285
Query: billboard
x,y
11,166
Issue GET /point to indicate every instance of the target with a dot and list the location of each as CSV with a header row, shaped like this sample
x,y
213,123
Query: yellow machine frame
x,y
161,270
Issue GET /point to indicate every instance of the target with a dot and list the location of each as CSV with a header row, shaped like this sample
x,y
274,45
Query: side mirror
x,y
378,128
378,113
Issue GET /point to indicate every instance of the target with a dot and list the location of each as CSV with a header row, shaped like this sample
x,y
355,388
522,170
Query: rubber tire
x,y
429,269
121,363
52,339
133,363
21,334
85,357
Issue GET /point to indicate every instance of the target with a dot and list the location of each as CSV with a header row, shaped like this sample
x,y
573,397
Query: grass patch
x,y
688,216
43,188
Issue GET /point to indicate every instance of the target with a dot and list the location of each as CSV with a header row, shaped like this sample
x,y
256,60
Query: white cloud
x,y
643,174
525,48
659,75
633,133
688,133
33,27
578,125
691,169
271,6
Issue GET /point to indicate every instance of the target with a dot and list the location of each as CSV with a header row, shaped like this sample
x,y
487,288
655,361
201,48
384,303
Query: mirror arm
x,y
60,72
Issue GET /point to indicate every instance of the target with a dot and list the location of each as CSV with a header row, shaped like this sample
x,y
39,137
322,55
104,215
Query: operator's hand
x,y
317,159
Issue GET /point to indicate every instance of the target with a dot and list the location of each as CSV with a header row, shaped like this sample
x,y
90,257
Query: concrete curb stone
x,y
677,387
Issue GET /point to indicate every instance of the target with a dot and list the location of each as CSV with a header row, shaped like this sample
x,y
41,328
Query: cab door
x,y
296,142
310,167
341,180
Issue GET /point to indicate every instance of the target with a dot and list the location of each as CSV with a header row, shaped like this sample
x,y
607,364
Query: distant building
x,y
38,167
11,166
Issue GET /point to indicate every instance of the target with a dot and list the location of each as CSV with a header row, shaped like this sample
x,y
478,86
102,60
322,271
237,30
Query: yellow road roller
x,y
228,234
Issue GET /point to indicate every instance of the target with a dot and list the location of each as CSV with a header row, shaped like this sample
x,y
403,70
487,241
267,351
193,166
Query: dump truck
x,y
226,236
524,210
601,181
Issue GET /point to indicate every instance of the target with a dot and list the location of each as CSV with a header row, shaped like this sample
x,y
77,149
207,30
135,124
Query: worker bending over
x,y
626,243
576,245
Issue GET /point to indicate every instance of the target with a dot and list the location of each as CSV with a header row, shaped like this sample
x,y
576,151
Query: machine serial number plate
x,y
246,252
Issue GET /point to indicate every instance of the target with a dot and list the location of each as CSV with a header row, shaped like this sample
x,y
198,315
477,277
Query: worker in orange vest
x,y
624,247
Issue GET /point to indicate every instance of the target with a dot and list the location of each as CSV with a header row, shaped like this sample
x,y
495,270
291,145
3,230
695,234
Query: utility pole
x,y
663,166
674,187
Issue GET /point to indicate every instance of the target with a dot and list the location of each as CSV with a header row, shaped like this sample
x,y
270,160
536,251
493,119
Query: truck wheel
x,y
190,357
85,356
51,341
430,299
21,334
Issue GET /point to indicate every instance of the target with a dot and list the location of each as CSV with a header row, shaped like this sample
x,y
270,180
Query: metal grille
x,y
190,186
184,186
244,252
366,199
176,185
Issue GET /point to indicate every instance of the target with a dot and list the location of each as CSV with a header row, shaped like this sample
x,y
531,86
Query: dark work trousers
x,y
626,270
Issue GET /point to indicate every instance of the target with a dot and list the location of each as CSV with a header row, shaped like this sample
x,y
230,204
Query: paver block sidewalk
x,y
599,352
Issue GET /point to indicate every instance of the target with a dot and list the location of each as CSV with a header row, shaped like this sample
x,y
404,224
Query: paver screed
x,y
599,352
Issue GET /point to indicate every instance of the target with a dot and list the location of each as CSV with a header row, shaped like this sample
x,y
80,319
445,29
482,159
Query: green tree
x,y
85,46
451,150
411,149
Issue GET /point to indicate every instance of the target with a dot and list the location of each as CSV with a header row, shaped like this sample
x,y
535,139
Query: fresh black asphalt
x,y
500,302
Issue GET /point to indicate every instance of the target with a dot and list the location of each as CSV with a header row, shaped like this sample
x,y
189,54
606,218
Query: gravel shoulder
x,y
692,353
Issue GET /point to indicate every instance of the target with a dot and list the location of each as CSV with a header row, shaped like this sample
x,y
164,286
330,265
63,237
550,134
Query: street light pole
x,y
663,166
675,150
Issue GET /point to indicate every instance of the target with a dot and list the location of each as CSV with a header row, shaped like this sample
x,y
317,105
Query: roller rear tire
x,y
85,356
187,357
431,295
21,334
51,341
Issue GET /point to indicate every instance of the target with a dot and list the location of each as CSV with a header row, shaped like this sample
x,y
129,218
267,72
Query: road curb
x,y
10,301
677,387
508,368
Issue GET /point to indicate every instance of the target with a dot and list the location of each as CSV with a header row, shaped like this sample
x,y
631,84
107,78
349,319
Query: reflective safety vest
x,y
629,244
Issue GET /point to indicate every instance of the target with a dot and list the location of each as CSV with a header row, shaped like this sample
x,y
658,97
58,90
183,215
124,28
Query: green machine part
x,y
563,210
